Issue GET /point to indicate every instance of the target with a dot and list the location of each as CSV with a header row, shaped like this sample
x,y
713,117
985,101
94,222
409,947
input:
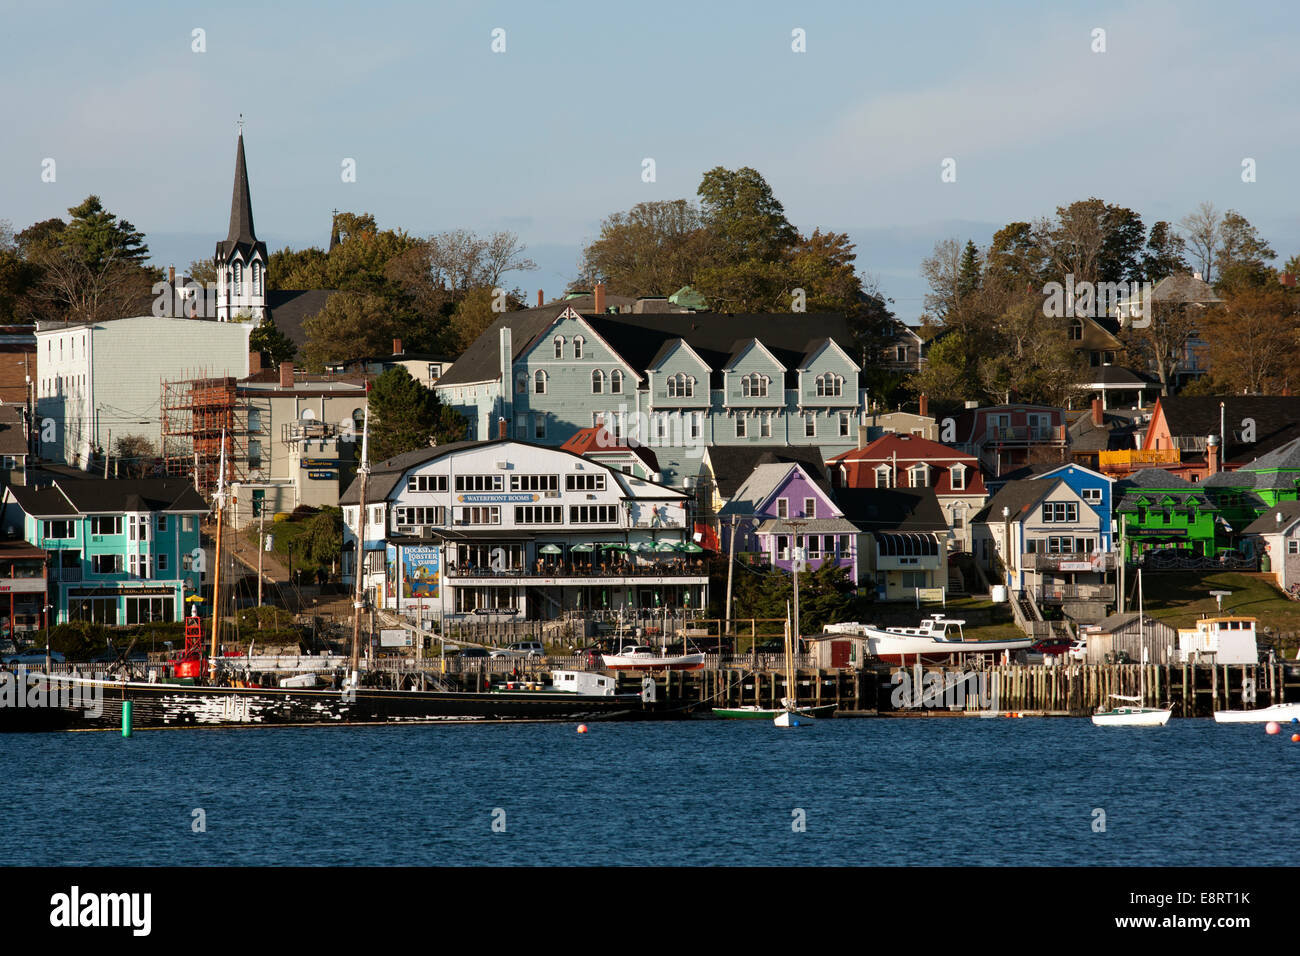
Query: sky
x,y
549,136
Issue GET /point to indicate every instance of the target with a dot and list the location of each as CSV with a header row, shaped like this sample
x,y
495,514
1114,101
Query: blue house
x,y
120,551
1095,490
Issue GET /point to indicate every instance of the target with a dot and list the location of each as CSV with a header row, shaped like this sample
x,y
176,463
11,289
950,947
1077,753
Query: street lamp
x,y
1006,543
48,608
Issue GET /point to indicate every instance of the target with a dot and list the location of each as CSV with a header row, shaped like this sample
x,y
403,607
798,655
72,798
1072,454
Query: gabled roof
x,y
741,346
109,496
893,509
815,347
1019,498
763,481
732,464
1268,523
1276,417
670,346
597,440
290,308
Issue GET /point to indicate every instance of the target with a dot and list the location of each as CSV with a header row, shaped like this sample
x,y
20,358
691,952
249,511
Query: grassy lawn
x,y
1180,597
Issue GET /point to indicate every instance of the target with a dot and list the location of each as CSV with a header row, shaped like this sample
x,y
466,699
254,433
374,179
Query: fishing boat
x,y
188,693
937,639
1132,711
1282,713
639,657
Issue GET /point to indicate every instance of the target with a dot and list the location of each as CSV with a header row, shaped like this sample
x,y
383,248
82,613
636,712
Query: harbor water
x,y
963,791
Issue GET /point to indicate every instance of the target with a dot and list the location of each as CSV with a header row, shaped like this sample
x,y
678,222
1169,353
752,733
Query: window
x,y
918,476
480,482
426,483
661,426
783,547
255,420
143,610
106,563
783,507
257,278
539,426
1059,512
830,385
105,524
754,385
539,514
810,426
411,515
1076,330
900,353
584,482
810,507
958,477
239,278
484,514
616,382
593,514
681,385
884,477
578,342
188,523
597,382
765,425
559,346
95,610
59,529
162,562
539,382
1293,547
521,383
741,426
534,482
162,522
521,426
139,565
434,372
846,423
1092,495
697,424
254,453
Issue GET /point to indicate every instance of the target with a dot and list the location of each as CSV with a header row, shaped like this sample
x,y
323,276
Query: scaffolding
x,y
196,413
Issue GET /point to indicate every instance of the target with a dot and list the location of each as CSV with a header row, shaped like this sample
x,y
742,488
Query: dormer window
x,y
754,385
597,382
559,346
830,385
681,385
918,476
884,477
616,382
958,477
577,346
539,382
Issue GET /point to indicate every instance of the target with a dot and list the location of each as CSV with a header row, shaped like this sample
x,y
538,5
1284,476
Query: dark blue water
x,y
885,792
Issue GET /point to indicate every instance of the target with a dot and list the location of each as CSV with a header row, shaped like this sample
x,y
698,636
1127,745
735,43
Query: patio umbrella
x,y
690,547
584,548
641,547
548,549
614,546
665,546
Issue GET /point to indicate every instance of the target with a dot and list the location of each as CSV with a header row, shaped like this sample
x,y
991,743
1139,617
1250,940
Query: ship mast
x,y
220,501
358,601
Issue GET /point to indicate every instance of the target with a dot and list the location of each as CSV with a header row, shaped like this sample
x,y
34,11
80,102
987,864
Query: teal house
x,y
120,552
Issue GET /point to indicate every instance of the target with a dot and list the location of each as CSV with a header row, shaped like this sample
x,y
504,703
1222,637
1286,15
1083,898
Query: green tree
x,y
652,249
355,324
404,416
321,538
1243,255
751,238
968,272
271,342
1165,254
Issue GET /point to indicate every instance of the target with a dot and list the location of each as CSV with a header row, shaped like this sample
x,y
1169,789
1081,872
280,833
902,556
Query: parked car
x,y
531,649
34,657
1079,649
1053,646
469,653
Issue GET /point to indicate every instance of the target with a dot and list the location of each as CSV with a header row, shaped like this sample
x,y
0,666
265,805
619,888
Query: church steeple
x,y
241,257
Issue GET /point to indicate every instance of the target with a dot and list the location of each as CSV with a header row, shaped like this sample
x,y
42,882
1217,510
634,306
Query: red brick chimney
x,y
1212,455
1097,417
397,346
171,276
501,428
541,299
254,363
286,375
598,297
924,403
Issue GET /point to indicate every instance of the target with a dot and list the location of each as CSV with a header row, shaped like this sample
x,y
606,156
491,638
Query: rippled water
x,y
887,792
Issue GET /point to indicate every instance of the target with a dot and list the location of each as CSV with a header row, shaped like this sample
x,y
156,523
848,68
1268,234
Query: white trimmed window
x,y
616,382
559,346
830,385
810,507
783,507
846,424
754,385
597,382
578,343
884,477
918,476
681,385
741,426
539,382
958,477
810,426
765,425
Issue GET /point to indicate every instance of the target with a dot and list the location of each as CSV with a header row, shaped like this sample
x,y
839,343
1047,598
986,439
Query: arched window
x,y
559,346
830,385
238,279
754,385
616,382
577,346
681,385
597,382
539,382
1076,330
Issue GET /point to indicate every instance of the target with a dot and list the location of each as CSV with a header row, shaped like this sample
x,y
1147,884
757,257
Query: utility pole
x,y
216,570
108,451
261,549
358,602
731,567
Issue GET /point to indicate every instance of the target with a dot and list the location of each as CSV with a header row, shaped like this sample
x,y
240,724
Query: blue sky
x,y
548,137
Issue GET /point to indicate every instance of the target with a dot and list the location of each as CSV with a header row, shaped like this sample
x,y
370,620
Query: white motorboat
x,y
639,657
937,638
1282,713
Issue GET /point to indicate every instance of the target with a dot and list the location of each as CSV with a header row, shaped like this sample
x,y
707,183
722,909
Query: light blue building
x,y
120,551
676,382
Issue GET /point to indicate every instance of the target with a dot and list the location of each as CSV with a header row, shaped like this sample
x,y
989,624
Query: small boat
x,y
1282,713
639,657
1134,713
754,712
935,640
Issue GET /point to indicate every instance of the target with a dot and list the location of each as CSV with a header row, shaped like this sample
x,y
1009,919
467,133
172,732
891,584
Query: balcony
x,y
1068,561
1011,435
303,430
1134,458
1064,593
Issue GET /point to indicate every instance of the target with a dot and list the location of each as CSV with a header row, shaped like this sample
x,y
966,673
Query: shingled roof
x,y
109,496
892,509
1276,417
732,464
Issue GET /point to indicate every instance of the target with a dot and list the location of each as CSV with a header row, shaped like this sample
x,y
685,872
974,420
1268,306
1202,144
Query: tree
x,y
404,416
652,249
1252,338
1202,229
472,316
942,271
1165,254
822,265
1243,255
951,371
825,595
968,272
1031,357
134,456
271,342
17,276
1161,341
352,325
321,538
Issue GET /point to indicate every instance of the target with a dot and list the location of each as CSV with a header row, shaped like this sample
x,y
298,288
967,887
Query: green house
x,y
1160,512
120,551
1244,494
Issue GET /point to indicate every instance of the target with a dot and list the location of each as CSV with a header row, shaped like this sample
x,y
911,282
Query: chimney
x,y
1097,417
501,427
254,363
397,346
1212,454
924,402
171,276
286,375
862,436
598,297
541,299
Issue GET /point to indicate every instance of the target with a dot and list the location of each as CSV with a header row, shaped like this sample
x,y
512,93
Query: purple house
x,y
780,508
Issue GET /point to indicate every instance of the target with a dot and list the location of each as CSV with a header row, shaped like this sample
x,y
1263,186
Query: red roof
x,y
860,464
601,440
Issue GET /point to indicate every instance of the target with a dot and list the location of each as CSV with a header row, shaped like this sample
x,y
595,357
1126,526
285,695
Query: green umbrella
x,y
586,547
614,546
690,547
548,549
641,547
665,546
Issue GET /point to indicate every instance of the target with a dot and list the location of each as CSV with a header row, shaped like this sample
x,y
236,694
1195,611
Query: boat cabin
x,y
582,682
1223,639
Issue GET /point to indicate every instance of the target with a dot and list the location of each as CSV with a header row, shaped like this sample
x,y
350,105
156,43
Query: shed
x,y
1123,634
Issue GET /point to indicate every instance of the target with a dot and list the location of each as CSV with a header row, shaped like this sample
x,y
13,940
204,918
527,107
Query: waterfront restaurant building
x,y
506,529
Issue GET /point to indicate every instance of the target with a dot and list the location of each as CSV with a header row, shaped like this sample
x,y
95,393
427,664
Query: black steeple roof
x,y
241,236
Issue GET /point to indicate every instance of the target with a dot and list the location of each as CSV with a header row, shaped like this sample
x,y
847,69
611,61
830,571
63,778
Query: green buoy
x,y
126,718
